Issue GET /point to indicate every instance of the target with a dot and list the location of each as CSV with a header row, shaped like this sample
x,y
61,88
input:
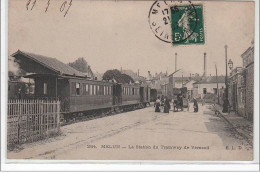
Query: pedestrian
x,y
195,105
157,105
166,105
162,102
180,102
188,105
175,105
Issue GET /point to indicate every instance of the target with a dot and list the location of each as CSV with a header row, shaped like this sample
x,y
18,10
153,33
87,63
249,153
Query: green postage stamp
x,y
187,24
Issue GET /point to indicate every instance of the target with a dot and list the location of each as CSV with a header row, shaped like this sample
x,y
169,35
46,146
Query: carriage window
x,y
44,88
94,89
110,90
90,90
77,89
86,89
101,90
98,90
133,91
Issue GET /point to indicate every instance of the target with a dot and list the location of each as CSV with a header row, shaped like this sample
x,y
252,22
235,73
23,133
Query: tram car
x,y
81,95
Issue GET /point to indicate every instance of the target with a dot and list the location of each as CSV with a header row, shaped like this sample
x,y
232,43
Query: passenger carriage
x,y
77,93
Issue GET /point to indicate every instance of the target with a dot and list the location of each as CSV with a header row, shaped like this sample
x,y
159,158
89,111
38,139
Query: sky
x,y
115,34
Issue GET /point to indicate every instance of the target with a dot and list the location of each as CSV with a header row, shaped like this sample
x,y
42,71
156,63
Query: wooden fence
x,y
31,120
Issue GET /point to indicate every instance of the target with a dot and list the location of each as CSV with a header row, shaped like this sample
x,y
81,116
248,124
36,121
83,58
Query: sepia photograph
x,y
131,80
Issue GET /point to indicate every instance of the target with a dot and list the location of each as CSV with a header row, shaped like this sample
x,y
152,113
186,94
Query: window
x,y
110,90
86,89
98,90
44,88
90,90
133,91
94,89
102,90
204,90
77,89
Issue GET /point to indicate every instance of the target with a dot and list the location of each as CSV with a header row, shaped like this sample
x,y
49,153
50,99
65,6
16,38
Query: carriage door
x,y
117,97
141,94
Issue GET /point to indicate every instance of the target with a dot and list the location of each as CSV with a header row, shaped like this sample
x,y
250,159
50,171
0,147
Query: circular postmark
x,y
173,21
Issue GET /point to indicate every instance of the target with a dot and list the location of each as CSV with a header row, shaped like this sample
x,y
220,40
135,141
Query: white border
x,y
39,165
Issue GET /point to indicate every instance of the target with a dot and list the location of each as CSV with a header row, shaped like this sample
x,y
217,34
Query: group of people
x,y
163,103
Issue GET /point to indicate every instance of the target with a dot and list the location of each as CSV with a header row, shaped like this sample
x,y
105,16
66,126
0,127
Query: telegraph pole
x,y
225,106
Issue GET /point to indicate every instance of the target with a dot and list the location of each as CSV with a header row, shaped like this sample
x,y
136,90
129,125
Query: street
x,y
144,135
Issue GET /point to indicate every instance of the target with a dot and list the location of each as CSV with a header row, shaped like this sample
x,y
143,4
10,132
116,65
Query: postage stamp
x,y
187,24
177,22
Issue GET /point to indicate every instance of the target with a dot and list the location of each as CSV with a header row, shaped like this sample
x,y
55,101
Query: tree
x,y
118,76
80,64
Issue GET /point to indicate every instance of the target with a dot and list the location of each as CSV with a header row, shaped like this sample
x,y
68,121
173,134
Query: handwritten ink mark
x,y
63,6
48,4
29,2
70,4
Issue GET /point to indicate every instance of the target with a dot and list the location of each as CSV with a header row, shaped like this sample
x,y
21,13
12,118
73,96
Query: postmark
x,y
177,22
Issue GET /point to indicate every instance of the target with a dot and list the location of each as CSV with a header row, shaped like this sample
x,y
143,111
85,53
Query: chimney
x,y
138,73
205,65
175,61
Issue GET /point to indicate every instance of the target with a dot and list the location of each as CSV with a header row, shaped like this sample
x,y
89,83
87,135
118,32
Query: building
x,y
208,85
236,95
248,64
47,71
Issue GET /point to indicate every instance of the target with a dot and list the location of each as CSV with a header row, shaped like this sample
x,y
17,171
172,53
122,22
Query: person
x,y
195,105
180,102
157,105
226,108
166,105
162,102
188,106
175,105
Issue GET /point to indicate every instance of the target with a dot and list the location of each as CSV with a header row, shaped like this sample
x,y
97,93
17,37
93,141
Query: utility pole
x,y
225,106
217,81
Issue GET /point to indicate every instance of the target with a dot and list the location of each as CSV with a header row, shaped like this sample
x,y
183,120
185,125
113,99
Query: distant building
x,y
98,76
208,85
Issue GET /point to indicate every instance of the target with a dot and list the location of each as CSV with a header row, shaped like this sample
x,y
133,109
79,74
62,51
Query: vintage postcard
x,y
131,80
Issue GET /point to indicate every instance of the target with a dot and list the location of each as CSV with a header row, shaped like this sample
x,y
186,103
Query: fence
x,y
31,120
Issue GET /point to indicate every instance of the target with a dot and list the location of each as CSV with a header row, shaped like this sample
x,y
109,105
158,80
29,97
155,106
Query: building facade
x,y
248,64
208,85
